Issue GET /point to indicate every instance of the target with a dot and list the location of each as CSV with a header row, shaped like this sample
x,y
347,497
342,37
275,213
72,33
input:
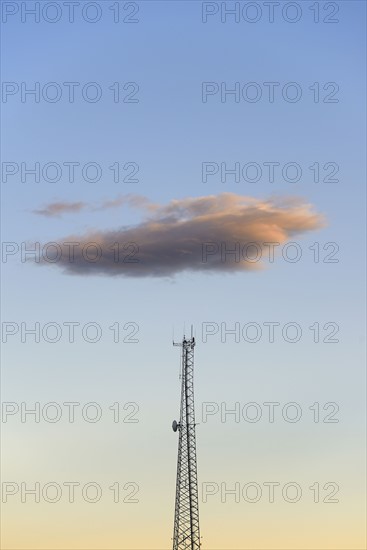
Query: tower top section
x,y
186,343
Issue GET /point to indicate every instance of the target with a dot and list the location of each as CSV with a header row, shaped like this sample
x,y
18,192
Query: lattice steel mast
x,y
186,535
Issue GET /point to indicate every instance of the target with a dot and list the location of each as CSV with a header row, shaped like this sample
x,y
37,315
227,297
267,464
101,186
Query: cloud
x,y
136,201
56,209
188,235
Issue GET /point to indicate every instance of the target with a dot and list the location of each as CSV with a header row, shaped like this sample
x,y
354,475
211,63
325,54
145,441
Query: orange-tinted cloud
x,y
56,209
174,237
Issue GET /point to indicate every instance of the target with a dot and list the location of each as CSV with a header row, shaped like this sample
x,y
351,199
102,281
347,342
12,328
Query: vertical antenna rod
x,y
186,535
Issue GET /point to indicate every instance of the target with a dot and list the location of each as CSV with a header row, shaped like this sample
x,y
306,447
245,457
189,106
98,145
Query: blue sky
x,y
169,134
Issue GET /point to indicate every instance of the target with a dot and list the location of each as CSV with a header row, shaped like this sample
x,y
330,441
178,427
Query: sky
x,y
177,82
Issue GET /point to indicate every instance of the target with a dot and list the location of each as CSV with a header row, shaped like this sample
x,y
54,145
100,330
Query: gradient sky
x,y
169,134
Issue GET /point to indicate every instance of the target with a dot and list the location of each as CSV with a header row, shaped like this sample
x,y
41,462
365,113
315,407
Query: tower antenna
x,y
186,534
